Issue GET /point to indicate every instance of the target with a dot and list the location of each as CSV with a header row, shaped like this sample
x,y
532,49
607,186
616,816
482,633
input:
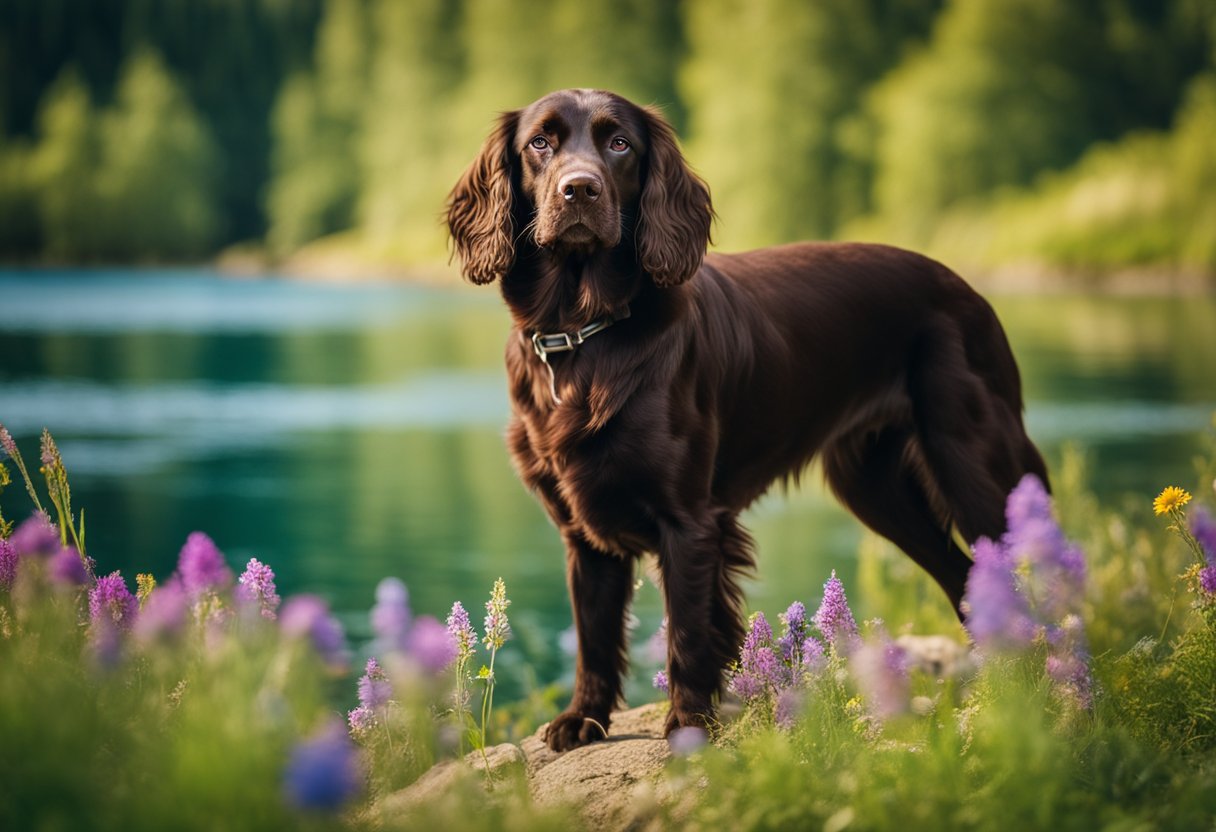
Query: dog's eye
x,y
619,144
539,143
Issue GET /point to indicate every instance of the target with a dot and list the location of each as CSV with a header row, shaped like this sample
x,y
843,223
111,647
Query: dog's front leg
x,y
691,561
600,587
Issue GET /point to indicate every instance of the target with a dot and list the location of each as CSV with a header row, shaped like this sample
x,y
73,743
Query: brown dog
x,y
657,392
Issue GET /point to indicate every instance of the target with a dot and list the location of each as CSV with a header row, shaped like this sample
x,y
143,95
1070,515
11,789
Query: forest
x,y
1074,135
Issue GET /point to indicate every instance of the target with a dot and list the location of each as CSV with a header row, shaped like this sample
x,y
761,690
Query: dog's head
x,y
577,172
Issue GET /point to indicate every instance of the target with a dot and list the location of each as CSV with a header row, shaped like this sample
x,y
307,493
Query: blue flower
x,y
323,772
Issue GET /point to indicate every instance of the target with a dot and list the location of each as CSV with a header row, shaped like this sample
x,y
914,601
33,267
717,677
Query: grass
x,y
231,718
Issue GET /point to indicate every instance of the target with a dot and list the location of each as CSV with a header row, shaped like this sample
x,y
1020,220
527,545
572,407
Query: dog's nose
x,y
580,186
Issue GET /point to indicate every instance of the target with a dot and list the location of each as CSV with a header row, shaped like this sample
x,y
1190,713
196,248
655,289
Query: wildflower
x,y
1171,499
996,613
795,623
110,602
8,564
1203,528
164,614
67,568
323,772
813,658
10,448
661,682
375,690
36,536
656,645
308,616
390,617
1068,662
256,586
144,584
759,672
880,668
687,740
498,629
1051,569
430,644
788,707
201,566
834,618
361,721
462,633
1207,579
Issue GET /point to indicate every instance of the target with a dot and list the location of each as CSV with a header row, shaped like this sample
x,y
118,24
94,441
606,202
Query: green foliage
x,y
132,181
784,139
899,120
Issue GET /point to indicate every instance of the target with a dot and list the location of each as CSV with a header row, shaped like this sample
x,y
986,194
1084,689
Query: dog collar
x,y
544,343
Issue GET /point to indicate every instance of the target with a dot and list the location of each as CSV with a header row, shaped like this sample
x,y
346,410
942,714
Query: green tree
x,y
315,176
405,126
62,170
1010,88
775,89
159,166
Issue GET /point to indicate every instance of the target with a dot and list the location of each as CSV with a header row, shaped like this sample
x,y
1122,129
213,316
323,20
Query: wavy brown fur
x,y
732,372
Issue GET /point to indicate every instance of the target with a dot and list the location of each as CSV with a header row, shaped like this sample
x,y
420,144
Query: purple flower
x,y
7,443
795,627
375,690
1203,527
8,564
661,682
307,616
834,618
1068,662
36,537
390,616
430,644
997,615
1207,579
361,720
111,603
656,645
201,566
256,586
880,668
165,613
788,708
323,772
687,740
760,671
461,632
813,658
66,568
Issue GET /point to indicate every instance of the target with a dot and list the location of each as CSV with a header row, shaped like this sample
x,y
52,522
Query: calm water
x,y
346,433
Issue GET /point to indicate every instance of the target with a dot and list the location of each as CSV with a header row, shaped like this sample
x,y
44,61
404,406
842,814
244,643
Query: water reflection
x,y
347,433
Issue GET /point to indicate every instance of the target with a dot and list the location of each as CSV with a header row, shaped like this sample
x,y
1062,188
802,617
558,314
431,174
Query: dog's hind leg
x,y
881,477
967,407
701,563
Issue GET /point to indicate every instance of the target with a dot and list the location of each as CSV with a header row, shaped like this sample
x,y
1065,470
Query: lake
x,y
342,433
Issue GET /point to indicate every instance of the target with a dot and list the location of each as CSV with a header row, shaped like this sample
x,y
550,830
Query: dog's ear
x,y
479,208
676,212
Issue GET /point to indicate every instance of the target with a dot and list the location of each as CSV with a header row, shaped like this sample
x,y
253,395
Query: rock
x,y
611,783
443,776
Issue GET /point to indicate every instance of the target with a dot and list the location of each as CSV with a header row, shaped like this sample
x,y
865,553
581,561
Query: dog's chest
x,y
589,486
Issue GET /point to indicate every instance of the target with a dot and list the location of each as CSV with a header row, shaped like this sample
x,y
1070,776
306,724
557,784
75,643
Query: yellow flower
x,y
1170,499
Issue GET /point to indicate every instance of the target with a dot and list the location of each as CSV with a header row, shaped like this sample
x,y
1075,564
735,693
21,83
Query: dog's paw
x,y
677,719
572,729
